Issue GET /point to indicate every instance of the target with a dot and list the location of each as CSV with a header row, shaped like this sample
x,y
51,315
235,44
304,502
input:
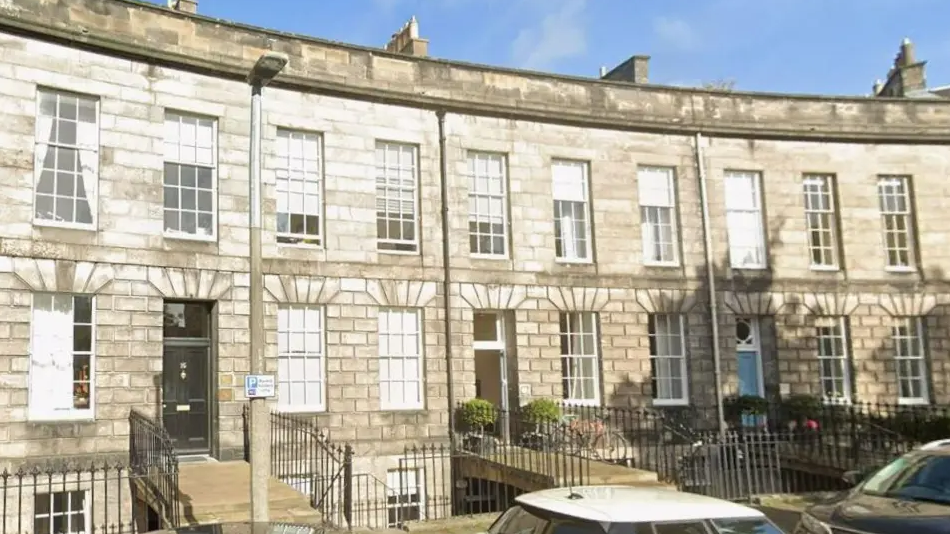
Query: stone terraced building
x,y
577,268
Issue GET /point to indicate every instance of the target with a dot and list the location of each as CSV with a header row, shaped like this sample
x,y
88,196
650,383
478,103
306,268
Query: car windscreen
x,y
919,478
745,526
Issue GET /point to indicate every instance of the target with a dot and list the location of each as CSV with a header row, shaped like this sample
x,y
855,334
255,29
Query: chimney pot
x,y
407,41
185,6
907,53
603,71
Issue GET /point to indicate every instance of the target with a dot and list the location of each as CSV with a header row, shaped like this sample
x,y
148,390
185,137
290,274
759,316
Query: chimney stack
x,y
407,41
603,71
635,70
185,6
906,76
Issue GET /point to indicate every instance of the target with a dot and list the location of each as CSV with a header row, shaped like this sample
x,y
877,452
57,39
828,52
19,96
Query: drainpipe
x,y
711,277
446,273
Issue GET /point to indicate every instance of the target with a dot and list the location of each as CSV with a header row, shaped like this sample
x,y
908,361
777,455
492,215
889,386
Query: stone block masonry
x,y
131,266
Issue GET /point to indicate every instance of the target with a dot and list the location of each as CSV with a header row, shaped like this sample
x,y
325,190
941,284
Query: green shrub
x,y
800,407
477,413
737,406
541,411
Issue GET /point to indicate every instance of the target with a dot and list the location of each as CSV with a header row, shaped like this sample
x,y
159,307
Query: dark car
x,y
910,495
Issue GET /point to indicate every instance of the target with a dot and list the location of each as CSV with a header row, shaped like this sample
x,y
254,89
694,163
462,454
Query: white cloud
x,y
675,32
561,34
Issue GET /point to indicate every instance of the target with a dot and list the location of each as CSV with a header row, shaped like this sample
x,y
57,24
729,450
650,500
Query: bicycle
x,y
594,436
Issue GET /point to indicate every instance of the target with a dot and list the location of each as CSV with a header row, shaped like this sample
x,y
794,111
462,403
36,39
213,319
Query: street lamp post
x,y
267,67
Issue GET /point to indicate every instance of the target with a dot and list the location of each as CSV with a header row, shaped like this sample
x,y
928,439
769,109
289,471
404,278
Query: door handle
x,y
164,406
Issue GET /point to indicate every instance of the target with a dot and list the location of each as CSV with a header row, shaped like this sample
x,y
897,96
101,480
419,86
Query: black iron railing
x,y
86,497
153,463
790,446
303,457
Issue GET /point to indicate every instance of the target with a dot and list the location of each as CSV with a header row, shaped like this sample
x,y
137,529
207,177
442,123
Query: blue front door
x,y
750,380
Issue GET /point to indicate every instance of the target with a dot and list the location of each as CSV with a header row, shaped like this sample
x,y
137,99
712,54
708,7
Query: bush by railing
x,y
154,462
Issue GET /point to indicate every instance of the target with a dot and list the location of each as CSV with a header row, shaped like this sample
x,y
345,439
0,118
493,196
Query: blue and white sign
x,y
260,386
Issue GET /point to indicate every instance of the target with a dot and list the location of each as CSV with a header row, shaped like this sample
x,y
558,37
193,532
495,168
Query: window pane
x,y
897,220
487,204
396,196
300,355
668,357
400,358
67,158
299,171
580,368
744,222
189,192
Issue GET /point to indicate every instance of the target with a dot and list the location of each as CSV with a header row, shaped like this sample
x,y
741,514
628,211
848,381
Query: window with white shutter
x,y
572,233
657,215
744,220
62,357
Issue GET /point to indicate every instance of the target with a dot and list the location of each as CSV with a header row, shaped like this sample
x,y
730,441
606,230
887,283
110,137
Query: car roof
x,y
626,504
940,446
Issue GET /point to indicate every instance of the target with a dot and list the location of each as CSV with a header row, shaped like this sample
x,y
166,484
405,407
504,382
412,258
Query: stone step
x,y
306,516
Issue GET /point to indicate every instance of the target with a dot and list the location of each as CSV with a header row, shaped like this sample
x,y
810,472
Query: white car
x,y
627,510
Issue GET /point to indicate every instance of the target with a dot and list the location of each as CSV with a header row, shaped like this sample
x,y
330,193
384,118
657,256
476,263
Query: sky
x,y
794,46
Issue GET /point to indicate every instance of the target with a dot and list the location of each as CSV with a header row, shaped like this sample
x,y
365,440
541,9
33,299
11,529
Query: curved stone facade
x,y
140,61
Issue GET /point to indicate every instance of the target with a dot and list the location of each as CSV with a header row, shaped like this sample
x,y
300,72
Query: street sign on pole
x,y
260,386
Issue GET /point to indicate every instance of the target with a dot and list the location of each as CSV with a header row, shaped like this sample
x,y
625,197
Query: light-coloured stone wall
x,y
136,267
108,498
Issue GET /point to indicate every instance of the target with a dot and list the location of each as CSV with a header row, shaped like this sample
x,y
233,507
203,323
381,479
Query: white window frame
x,y
740,213
84,153
487,203
300,187
829,331
199,154
392,193
657,195
299,340
47,359
575,197
390,353
82,510
576,329
909,346
667,320
821,221
399,484
897,187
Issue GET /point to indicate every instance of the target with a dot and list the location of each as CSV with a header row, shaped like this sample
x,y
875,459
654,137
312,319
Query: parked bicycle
x,y
594,436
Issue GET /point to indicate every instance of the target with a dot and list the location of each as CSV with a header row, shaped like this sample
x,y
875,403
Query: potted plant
x,y
739,407
540,415
475,415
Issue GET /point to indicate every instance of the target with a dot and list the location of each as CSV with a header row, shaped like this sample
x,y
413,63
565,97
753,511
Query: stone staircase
x,y
219,492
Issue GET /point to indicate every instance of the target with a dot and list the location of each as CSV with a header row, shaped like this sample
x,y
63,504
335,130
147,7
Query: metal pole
x,y
711,277
259,420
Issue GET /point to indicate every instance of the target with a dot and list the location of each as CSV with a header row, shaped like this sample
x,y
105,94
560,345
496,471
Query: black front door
x,y
185,397
186,377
